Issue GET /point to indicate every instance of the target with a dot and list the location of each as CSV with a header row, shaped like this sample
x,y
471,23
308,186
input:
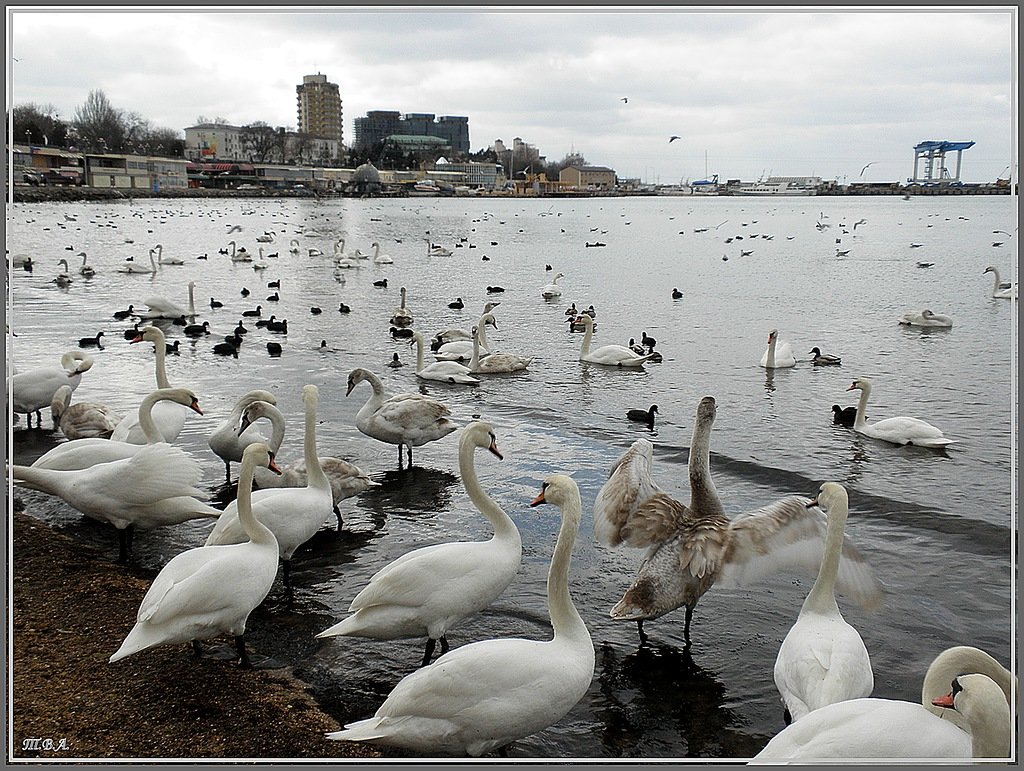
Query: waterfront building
x,y
378,125
319,108
483,176
214,142
588,177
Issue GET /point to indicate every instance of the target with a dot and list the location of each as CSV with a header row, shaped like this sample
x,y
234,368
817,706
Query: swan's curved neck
x,y
822,596
191,299
146,422
504,527
860,420
314,472
403,298
565,619
703,493
960,659
475,361
256,530
277,425
771,351
988,716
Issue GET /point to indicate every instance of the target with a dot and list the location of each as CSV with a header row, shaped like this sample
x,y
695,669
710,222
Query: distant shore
x,y
63,193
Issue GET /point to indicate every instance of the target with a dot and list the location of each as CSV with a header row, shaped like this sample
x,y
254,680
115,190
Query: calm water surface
x,y
937,526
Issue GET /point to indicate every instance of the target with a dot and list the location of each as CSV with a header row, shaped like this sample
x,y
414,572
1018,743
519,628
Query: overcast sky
x,y
789,93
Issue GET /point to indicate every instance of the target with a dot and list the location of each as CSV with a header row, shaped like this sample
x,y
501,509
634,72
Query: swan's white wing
x,y
193,582
417,573
787,535
412,411
155,472
629,485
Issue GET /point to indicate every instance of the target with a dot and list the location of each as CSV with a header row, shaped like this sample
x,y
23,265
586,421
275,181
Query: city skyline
x,y
777,92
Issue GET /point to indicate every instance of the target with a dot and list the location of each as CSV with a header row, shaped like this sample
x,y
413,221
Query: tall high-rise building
x,y
319,107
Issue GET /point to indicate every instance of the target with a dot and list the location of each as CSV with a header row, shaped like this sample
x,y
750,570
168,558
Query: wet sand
x,y
71,608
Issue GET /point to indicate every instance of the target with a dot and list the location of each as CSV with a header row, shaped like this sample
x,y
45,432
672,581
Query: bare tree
x,y
37,125
99,124
259,141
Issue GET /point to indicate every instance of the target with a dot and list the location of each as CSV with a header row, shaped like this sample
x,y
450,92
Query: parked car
x,y
33,177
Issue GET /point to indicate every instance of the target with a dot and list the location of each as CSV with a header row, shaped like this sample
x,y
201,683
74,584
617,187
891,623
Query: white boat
x,y
778,186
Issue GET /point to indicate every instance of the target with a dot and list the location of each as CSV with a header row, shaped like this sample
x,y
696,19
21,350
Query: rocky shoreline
x,y
69,607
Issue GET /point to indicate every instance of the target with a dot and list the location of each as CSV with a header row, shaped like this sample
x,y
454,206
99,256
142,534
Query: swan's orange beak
x,y
272,465
538,500
351,385
852,387
137,338
194,406
494,450
812,503
944,701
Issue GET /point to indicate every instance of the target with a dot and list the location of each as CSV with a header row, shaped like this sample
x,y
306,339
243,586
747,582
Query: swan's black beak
x,y
272,465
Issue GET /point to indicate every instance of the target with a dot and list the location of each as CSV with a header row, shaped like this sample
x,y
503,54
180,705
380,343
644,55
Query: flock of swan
x,y
480,697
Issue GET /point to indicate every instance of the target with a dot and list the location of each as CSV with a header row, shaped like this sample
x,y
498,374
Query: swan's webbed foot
x,y
197,649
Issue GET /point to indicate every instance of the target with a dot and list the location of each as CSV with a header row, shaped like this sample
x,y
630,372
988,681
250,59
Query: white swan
x,y
428,591
552,290
133,267
610,355
885,728
239,253
86,269
294,514
346,479
925,319
402,316
211,590
777,355
82,419
156,486
159,249
487,694
900,430
293,246
495,362
441,371
461,349
436,250
411,420
226,441
690,548
1001,290
33,389
85,452
169,416
823,659
378,258
162,308
958,660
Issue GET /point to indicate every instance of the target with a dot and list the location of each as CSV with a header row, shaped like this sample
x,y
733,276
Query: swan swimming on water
x,y
1001,290
441,371
900,430
483,696
777,355
925,319
609,355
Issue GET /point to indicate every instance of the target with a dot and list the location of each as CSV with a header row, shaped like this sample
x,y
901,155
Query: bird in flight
x,y
865,168
625,99
673,138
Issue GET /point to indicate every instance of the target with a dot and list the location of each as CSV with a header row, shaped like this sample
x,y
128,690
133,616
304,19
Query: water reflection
x,y
657,698
417,490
